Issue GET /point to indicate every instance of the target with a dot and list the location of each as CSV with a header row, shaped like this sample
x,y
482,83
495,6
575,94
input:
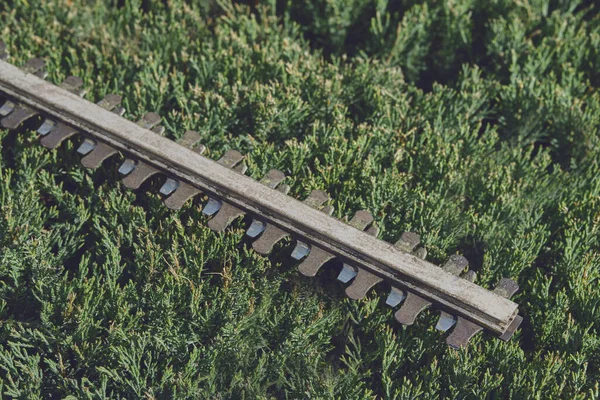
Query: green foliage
x,y
475,124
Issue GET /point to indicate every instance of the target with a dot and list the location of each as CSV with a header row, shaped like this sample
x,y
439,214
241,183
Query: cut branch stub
x,y
63,131
228,213
414,304
273,234
465,329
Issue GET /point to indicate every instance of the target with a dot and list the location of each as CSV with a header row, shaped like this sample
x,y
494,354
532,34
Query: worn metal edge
x,y
400,269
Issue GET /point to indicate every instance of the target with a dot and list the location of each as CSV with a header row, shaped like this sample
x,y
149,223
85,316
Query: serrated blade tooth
x,y
3,51
181,195
19,115
446,320
361,220
46,127
231,158
86,147
234,160
273,178
139,175
127,166
316,258
7,108
506,288
110,101
258,226
301,250
63,131
395,297
130,165
34,66
314,261
269,238
347,273
149,120
228,213
273,234
224,217
191,140
364,281
96,157
138,172
414,304
169,186
212,206
465,329
316,199
410,309
455,264
408,241
73,84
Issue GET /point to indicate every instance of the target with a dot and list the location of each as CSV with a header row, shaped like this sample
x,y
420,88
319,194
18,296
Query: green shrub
x,y
475,124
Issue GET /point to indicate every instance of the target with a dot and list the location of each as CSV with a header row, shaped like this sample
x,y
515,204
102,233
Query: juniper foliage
x,y
473,123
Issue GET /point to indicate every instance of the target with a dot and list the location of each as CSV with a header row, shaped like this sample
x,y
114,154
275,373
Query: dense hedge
x,y
474,123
